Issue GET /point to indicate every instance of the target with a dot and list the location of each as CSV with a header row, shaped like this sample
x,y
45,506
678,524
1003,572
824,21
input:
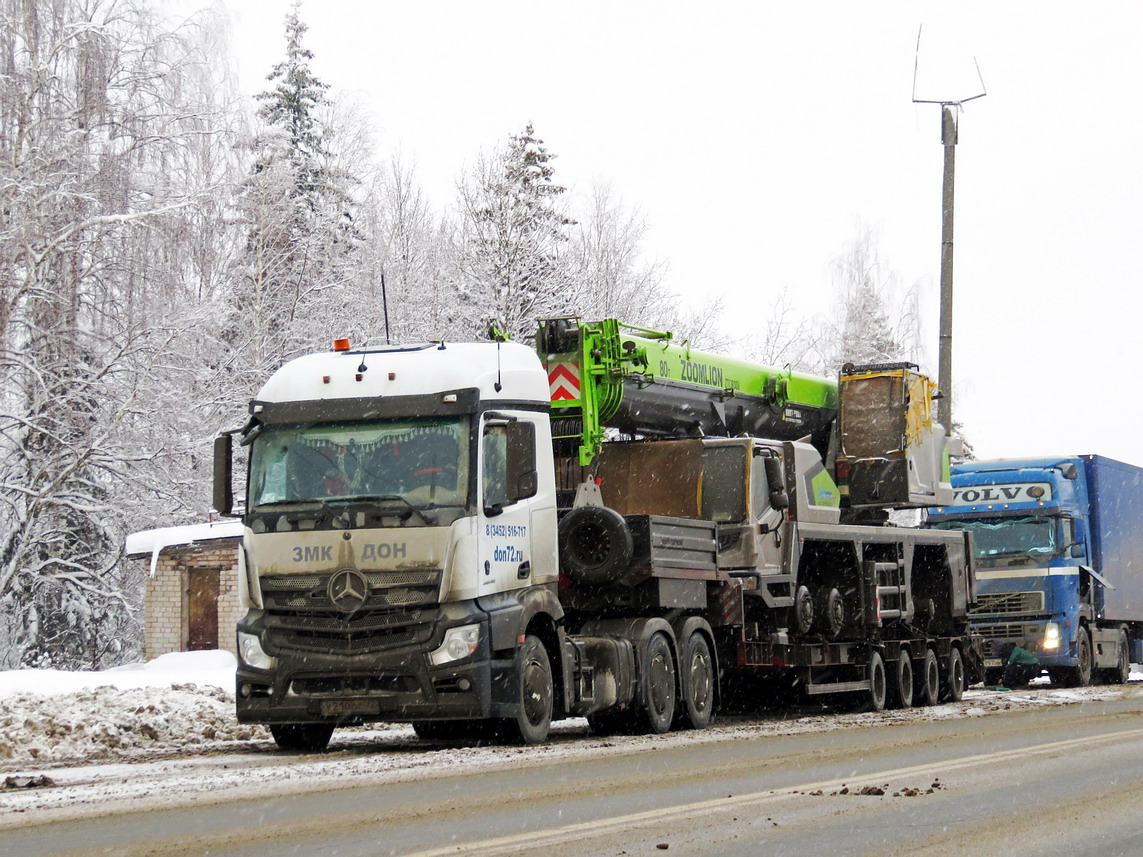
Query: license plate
x,y
335,707
993,662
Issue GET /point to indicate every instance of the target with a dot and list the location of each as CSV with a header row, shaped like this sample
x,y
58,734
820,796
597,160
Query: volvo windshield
x,y
1009,537
414,463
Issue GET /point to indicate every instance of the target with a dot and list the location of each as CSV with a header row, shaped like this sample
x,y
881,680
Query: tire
x,y
696,675
877,693
803,610
657,686
537,695
454,730
830,613
1121,672
901,695
595,545
953,681
304,737
927,680
1080,675
610,722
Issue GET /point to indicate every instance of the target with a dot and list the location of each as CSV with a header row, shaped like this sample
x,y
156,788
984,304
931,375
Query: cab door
x,y
508,486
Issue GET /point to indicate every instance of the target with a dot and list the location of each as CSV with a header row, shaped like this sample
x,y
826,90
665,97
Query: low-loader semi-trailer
x,y
484,537
1059,551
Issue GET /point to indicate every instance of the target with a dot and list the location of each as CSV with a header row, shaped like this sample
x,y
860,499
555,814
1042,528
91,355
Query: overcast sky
x,y
758,137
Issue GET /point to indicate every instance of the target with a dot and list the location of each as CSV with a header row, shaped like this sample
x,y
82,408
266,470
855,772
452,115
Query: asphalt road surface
x,y
1065,780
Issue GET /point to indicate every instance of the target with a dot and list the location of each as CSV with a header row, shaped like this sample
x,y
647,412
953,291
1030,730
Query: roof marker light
x,y
341,345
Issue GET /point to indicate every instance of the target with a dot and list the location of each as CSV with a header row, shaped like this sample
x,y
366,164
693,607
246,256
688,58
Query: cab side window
x,y
508,474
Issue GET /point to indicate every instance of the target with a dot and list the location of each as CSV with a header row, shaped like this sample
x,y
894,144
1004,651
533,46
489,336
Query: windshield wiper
x,y
382,498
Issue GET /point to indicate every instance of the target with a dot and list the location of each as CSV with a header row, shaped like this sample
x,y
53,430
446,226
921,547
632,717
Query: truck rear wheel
x,y
657,685
307,737
696,671
902,689
537,692
952,686
1121,672
927,687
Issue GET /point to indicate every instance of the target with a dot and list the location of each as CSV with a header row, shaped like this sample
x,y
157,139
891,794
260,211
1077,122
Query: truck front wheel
x,y
307,737
1080,675
537,691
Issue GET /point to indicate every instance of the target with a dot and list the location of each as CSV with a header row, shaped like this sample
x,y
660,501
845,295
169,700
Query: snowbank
x,y
175,703
209,668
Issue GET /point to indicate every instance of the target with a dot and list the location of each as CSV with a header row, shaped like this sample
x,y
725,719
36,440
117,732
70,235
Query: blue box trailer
x,y
1059,547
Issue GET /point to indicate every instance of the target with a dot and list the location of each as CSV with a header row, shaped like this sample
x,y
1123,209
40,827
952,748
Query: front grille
x,y
1004,631
1008,603
300,615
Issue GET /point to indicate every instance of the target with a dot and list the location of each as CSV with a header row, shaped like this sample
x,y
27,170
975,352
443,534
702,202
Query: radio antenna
x,y
385,306
950,107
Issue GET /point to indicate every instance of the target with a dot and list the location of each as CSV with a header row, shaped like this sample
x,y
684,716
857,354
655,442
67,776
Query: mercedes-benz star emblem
x,y
348,589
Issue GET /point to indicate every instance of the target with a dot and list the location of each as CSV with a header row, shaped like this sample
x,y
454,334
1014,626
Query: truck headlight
x,y
1052,635
458,643
251,653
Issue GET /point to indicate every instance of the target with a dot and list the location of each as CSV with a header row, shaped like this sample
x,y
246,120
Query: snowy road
x,y
383,792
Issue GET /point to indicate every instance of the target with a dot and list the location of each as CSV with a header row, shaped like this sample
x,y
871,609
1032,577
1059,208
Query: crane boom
x,y
608,374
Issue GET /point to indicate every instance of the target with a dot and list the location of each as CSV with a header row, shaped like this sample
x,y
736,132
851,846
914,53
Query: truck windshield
x,y
412,462
1032,537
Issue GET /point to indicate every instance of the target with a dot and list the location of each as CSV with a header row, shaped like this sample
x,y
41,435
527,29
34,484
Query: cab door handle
x,y
524,571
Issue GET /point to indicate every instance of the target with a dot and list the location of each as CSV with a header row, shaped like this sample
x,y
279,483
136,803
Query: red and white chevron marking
x,y
563,381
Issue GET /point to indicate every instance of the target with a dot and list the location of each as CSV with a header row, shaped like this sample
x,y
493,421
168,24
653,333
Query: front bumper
x,y
397,684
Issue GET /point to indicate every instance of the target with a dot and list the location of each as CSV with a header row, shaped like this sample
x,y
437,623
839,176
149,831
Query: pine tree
x,y
515,228
299,214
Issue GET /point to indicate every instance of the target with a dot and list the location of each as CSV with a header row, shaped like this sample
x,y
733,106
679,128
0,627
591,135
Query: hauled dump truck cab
x,y
1050,578
400,534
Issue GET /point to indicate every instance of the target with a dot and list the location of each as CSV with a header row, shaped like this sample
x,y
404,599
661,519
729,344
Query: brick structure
x,y
191,599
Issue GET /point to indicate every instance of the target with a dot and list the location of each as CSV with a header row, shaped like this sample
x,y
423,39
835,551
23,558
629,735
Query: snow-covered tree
x,y
513,258
98,108
872,323
299,214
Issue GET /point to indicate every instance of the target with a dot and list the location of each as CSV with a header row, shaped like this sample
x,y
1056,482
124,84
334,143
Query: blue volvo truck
x,y
1059,549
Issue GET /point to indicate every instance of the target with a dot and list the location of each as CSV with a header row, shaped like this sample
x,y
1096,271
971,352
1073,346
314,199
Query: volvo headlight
x,y
251,653
1052,635
458,643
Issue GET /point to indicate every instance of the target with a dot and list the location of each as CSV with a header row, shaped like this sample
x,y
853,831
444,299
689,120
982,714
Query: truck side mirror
x,y
776,479
1077,551
223,476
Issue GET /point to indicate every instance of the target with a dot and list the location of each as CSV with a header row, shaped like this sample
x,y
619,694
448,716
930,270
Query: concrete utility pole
x,y
949,111
944,364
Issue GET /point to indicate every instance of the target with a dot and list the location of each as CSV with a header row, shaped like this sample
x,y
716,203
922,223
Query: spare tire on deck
x,y
595,545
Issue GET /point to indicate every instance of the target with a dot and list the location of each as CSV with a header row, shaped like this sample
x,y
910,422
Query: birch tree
x,y
94,115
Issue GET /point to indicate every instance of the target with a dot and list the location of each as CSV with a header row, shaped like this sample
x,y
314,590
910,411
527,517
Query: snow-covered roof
x,y
152,542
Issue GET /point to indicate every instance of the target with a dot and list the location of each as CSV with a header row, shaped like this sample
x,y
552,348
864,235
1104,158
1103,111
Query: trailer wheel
x,y
877,692
927,687
537,692
1121,672
902,695
306,737
803,610
657,685
952,687
595,545
696,671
